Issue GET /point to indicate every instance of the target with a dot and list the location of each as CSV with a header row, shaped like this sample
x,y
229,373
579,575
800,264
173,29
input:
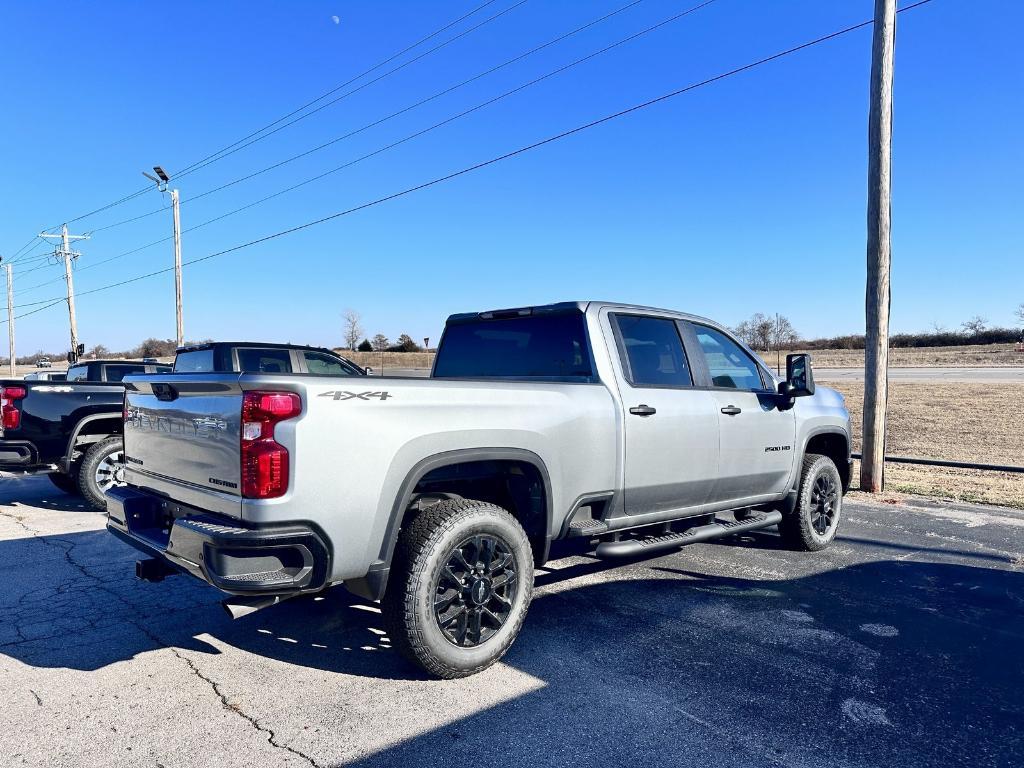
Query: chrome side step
x,y
648,544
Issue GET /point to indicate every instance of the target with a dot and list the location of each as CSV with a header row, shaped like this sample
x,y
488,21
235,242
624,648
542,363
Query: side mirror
x,y
799,377
368,370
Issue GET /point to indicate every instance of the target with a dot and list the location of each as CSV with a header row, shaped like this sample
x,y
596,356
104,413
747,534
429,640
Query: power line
x,y
513,153
337,88
401,141
223,152
196,167
402,111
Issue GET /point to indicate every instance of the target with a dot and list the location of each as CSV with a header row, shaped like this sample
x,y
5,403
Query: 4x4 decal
x,y
340,395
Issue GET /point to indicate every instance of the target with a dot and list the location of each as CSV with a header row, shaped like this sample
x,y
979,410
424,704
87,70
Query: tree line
x,y
775,332
353,332
763,332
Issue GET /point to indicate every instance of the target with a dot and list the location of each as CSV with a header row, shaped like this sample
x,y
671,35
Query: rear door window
x,y
653,351
256,360
728,365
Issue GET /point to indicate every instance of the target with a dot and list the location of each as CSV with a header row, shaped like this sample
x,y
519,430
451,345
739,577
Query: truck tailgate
x,y
181,438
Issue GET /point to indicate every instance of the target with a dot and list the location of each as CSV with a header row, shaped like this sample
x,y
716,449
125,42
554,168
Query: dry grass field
x,y
976,356
390,359
981,423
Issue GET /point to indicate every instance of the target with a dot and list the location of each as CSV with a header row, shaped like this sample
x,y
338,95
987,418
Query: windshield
x,y
546,347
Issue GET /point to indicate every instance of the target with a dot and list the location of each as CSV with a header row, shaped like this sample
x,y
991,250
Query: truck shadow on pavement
x,y
881,662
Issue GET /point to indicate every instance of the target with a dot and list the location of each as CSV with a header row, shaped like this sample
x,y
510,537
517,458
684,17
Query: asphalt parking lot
x,y
901,645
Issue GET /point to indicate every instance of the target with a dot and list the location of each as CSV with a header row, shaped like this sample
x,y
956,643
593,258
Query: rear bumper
x,y
235,557
18,456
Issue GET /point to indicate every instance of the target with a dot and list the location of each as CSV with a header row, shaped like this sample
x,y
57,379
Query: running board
x,y
715,530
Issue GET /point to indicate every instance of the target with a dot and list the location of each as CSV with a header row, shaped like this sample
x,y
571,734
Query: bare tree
x,y
765,333
380,342
937,327
784,335
353,330
975,325
99,351
756,332
1020,313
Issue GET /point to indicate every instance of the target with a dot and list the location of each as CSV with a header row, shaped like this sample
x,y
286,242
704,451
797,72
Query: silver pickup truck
x,y
635,429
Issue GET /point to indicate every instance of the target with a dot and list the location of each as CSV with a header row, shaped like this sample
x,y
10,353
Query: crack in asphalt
x,y
215,687
57,542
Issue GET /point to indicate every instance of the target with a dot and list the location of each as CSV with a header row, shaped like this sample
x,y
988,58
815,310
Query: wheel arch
x,y
503,467
834,443
95,427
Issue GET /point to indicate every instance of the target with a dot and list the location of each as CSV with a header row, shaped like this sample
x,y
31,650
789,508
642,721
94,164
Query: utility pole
x,y
877,293
10,321
177,268
67,256
162,179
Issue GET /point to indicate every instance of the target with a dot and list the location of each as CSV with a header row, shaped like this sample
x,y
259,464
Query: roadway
x,y
900,645
918,375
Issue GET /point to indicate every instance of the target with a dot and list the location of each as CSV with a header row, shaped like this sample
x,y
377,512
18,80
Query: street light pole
x,y
162,179
177,269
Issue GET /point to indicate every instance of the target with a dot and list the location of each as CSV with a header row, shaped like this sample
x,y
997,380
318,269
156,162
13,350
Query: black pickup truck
x,y
69,429
72,430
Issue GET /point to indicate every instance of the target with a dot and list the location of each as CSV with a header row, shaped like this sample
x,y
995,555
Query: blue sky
x,y
747,195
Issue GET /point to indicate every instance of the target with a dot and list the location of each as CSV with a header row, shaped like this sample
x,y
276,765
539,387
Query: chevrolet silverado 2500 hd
x,y
637,429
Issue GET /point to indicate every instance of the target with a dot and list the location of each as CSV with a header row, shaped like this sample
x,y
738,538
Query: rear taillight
x,y
11,414
264,460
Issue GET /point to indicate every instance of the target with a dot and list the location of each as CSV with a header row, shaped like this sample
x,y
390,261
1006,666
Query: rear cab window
x,y
118,372
78,373
194,361
264,360
542,347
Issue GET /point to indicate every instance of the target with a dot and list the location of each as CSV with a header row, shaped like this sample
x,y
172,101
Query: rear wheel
x,y
812,525
102,469
461,583
66,483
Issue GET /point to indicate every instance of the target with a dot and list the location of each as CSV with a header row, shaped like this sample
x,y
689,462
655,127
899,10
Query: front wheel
x,y
812,525
461,583
102,469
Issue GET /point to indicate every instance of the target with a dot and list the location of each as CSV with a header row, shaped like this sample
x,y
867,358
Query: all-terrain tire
x,y
427,572
812,525
66,483
100,461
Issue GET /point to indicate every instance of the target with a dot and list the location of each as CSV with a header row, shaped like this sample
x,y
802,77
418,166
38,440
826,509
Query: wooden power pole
x,y
877,295
10,322
65,254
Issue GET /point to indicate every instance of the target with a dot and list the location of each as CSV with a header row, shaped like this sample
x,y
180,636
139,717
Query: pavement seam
x,y
55,541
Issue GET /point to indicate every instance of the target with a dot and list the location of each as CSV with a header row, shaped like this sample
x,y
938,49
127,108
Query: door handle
x,y
731,410
643,410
